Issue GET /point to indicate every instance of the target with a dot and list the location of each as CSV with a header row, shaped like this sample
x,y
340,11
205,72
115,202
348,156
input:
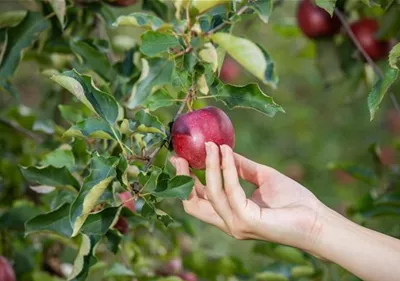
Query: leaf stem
x,y
374,66
227,22
14,125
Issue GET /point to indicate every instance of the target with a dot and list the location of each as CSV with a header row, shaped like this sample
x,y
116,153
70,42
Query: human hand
x,y
280,209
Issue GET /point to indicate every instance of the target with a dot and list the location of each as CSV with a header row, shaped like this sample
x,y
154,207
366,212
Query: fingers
x,y
249,170
214,190
234,191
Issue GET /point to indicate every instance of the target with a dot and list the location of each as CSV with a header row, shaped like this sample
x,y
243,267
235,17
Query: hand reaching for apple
x,y
280,209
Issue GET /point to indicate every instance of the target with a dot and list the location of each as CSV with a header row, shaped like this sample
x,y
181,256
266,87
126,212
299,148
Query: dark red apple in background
x,y
6,271
122,225
192,130
230,71
315,22
387,155
393,122
129,202
188,276
364,30
172,267
121,3
343,177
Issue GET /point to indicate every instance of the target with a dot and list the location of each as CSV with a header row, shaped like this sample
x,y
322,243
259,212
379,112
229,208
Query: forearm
x,y
370,255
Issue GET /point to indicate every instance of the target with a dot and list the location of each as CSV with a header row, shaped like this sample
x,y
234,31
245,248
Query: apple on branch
x,y
192,130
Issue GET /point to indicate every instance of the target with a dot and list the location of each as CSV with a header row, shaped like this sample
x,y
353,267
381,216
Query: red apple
x,y
343,177
121,3
315,22
192,130
129,202
387,155
230,71
6,271
122,225
393,122
188,276
172,267
364,30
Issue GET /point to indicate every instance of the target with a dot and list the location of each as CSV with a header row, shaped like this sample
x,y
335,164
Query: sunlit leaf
x,y
394,56
250,55
327,5
103,171
140,20
59,158
11,18
118,269
158,99
99,223
59,8
178,187
154,43
263,8
91,127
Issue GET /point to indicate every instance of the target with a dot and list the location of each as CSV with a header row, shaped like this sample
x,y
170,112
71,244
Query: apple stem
x,y
374,66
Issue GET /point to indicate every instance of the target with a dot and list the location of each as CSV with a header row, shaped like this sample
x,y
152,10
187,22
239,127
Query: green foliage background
x,y
326,126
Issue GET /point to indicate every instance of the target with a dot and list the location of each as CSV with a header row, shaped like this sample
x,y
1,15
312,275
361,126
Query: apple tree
x,y
88,178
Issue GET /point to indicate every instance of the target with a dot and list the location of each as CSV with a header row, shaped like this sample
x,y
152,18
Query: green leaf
x,y
52,176
155,72
118,269
140,20
20,37
209,55
158,99
94,59
14,218
91,127
85,258
248,96
270,276
178,187
363,174
154,43
72,114
327,5
59,158
59,8
84,89
146,123
99,223
379,91
163,217
55,221
103,171
11,18
394,56
250,55
114,237
389,23
263,8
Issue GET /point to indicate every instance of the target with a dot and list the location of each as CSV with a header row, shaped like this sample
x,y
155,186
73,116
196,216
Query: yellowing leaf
x,y
251,56
209,55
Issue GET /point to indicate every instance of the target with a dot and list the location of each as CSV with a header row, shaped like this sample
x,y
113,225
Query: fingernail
x,y
208,147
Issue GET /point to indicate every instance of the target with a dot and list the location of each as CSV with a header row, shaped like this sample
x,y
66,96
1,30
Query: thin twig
x,y
228,22
14,125
374,66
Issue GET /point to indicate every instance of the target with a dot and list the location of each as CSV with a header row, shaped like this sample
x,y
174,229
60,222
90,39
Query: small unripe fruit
x,y
172,267
6,271
122,225
129,202
365,32
192,130
315,22
188,276
121,3
230,71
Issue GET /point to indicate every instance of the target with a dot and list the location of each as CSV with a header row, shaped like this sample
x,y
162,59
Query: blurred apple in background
x,y
230,71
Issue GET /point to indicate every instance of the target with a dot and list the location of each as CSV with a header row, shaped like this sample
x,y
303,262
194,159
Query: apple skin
x,y
230,71
315,22
6,270
188,276
121,3
125,196
122,225
364,30
192,130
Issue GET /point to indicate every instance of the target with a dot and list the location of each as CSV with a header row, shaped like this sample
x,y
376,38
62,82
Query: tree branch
x,y
228,22
14,125
374,66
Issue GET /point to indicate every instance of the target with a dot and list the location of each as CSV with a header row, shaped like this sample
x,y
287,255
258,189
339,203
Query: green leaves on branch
x,y
11,18
394,57
59,8
141,20
250,55
103,171
155,43
155,72
93,127
158,99
249,96
176,187
82,86
380,89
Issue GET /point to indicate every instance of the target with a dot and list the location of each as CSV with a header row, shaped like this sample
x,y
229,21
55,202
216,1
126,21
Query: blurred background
x,y
326,124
